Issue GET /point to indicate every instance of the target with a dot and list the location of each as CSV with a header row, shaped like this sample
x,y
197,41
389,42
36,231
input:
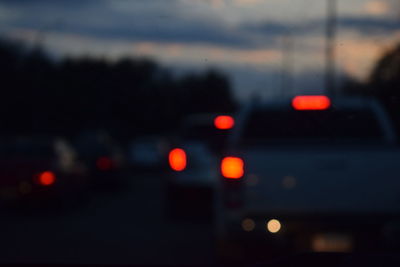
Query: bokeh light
x,y
178,159
47,178
232,168
248,225
224,122
274,226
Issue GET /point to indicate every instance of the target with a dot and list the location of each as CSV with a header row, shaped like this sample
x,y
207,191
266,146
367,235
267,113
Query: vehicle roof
x,y
201,118
337,102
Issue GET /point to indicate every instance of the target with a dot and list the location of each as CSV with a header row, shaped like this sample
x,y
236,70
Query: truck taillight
x,y
224,122
232,167
311,102
177,159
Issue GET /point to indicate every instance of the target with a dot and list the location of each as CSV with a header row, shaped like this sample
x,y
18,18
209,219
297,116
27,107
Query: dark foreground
x,y
124,227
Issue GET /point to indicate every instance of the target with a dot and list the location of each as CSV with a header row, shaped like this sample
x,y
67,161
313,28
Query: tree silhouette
x,y
385,83
129,97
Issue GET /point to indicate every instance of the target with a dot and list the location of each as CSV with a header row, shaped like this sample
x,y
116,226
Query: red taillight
x,y
46,178
224,122
311,102
232,168
177,159
104,163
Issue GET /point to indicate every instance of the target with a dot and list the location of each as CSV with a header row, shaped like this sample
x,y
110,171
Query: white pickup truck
x,y
309,174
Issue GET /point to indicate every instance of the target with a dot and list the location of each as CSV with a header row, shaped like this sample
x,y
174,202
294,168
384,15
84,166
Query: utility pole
x,y
330,49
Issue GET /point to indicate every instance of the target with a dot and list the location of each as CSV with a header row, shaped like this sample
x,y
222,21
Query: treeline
x,y
383,83
127,98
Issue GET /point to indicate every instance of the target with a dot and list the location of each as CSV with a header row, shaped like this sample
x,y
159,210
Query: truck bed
x,y
321,180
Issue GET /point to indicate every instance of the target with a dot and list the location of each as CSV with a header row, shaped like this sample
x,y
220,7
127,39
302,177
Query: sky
x,y
248,39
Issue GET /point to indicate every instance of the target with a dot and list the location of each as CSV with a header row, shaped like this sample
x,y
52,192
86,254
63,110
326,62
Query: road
x,y
124,227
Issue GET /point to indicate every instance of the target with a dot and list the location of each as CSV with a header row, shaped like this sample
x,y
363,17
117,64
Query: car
x,y
104,158
40,171
193,161
309,173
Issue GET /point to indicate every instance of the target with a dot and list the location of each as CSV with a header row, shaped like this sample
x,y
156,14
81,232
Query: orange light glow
x,y
232,168
332,243
248,225
177,159
47,178
311,102
224,122
104,163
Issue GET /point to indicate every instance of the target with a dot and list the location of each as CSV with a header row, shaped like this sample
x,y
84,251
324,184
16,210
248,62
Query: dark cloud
x,y
167,31
362,24
367,25
195,33
47,2
270,28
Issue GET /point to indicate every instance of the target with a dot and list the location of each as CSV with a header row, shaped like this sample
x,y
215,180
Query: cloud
x,y
377,8
270,28
368,25
218,4
364,25
247,2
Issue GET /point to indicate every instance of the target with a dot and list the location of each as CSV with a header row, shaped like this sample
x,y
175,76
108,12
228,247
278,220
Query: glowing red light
x,y
232,167
224,122
46,178
177,159
311,102
104,163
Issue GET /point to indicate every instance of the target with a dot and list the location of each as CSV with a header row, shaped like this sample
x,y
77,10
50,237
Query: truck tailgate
x,y
322,180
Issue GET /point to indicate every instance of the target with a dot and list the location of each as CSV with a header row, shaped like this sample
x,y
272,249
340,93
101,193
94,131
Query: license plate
x,y
332,242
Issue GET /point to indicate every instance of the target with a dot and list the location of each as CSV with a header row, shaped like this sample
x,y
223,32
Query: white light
x,y
273,226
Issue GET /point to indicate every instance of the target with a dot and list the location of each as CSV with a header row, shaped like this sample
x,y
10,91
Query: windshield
x,y
140,91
